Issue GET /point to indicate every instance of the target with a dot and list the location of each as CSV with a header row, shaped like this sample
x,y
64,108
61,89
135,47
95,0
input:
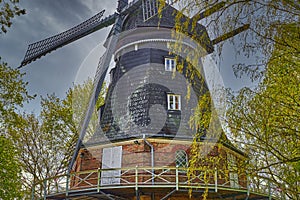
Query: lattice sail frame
x,y
41,48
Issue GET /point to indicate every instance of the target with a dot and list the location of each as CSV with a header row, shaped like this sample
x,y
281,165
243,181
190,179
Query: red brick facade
x,y
136,153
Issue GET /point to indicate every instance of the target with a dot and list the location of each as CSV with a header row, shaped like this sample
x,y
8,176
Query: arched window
x,y
181,159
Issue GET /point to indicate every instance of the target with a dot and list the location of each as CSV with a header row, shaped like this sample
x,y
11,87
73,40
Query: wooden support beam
x,y
209,11
230,34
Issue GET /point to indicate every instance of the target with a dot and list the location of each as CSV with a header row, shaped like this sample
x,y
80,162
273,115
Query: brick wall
x,y
138,154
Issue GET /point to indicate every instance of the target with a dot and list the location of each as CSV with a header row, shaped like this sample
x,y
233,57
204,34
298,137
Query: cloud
x,y
55,72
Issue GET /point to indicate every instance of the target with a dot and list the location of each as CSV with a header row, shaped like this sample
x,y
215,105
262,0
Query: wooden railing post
x,y
216,180
98,181
45,188
136,178
67,185
248,185
177,179
136,183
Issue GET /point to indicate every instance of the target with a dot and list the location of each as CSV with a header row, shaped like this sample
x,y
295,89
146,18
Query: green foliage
x,y
79,98
38,146
202,114
46,142
13,94
8,10
265,121
9,170
264,18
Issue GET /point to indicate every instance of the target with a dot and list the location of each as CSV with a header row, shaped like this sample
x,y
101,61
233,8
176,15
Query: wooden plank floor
x,y
159,193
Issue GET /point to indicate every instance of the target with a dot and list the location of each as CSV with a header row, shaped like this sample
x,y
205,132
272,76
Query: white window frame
x,y
181,157
170,64
232,167
174,101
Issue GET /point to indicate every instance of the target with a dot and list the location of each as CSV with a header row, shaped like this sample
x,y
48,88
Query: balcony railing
x,y
157,177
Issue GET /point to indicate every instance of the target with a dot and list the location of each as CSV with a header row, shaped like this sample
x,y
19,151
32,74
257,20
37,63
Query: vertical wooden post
x,y
45,189
32,191
98,181
216,180
177,178
136,178
67,185
136,184
248,185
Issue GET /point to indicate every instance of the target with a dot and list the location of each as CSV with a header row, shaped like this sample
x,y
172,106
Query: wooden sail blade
x,y
41,48
101,72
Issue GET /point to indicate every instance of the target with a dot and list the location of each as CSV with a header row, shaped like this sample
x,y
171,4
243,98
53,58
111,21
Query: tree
x,y
264,17
80,95
13,95
265,121
8,10
46,142
9,170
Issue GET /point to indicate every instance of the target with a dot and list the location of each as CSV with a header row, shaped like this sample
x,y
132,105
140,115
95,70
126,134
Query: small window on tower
x,y
170,64
150,8
174,102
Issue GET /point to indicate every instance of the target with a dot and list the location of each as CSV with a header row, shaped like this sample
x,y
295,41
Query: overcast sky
x,y
57,71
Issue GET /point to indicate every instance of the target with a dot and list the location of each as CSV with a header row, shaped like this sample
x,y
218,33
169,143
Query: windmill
x,y
141,53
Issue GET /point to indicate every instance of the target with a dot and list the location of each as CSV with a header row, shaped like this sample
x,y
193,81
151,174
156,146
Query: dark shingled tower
x,y
143,48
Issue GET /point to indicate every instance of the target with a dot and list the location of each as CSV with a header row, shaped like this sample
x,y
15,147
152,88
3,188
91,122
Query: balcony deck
x,y
165,182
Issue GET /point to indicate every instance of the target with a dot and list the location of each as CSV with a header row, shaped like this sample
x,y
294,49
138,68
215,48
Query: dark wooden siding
x,y
135,20
132,69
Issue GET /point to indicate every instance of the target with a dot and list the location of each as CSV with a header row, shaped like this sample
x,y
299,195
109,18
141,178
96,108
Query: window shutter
x,y
111,158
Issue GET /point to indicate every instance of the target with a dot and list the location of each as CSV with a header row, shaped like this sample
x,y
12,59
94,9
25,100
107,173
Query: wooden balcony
x,y
165,182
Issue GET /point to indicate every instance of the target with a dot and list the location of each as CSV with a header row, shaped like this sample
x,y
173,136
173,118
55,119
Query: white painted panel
x,y
234,180
111,158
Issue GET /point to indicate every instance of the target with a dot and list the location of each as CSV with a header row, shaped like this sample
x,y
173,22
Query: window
x,y
232,164
170,64
232,167
174,102
150,8
234,180
181,159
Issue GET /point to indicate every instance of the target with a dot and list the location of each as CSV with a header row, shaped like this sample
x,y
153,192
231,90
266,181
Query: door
x,y
111,159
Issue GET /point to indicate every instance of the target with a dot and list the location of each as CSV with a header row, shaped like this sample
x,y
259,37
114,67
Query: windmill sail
x,y
41,48
98,82
102,69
